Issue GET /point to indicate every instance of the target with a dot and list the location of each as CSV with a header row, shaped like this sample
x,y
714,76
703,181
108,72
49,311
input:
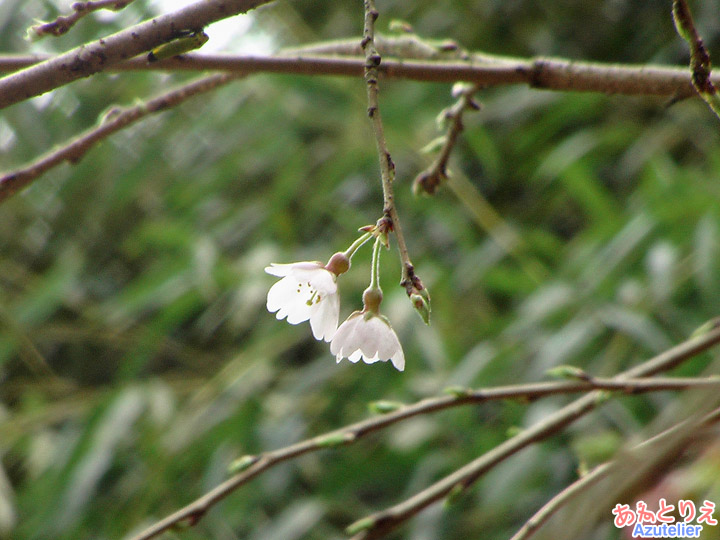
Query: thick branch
x,y
87,59
545,73
554,74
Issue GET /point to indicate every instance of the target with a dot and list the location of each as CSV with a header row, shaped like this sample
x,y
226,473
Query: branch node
x,y
373,60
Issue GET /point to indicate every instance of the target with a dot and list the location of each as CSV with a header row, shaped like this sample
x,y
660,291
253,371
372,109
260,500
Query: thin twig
x,y
114,121
634,382
699,56
63,24
380,523
404,46
391,220
582,484
104,53
429,180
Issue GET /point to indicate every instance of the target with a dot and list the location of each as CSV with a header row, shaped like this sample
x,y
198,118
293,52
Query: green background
x,y
137,358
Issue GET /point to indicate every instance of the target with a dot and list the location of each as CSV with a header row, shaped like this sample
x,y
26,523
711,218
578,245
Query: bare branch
x,y
115,120
545,73
429,180
380,523
634,381
699,56
404,46
87,59
63,24
391,219
554,74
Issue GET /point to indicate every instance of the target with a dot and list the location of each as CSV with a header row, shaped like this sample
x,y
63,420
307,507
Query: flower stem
x,y
357,244
375,273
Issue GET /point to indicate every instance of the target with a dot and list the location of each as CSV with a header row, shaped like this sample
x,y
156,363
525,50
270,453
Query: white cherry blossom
x,y
367,335
307,291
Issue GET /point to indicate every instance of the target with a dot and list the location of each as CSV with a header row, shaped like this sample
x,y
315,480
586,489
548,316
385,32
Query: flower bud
x,y
242,463
372,298
400,26
421,307
335,439
460,88
360,525
384,240
567,372
427,182
457,391
420,299
384,406
338,263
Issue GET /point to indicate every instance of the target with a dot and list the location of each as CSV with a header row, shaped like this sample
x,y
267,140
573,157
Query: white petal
x,y
371,340
324,317
296,312
390,343
341,342
289,299
371,359
279,294
398,360
282,270
321,280
314,276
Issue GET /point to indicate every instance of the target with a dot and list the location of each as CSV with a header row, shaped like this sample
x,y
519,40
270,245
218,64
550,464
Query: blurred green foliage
x,y
137,359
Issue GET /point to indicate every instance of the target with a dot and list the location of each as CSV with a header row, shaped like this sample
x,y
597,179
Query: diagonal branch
x,y
63,24
380,523
116,120
92,57
635,381
428,181
672,439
